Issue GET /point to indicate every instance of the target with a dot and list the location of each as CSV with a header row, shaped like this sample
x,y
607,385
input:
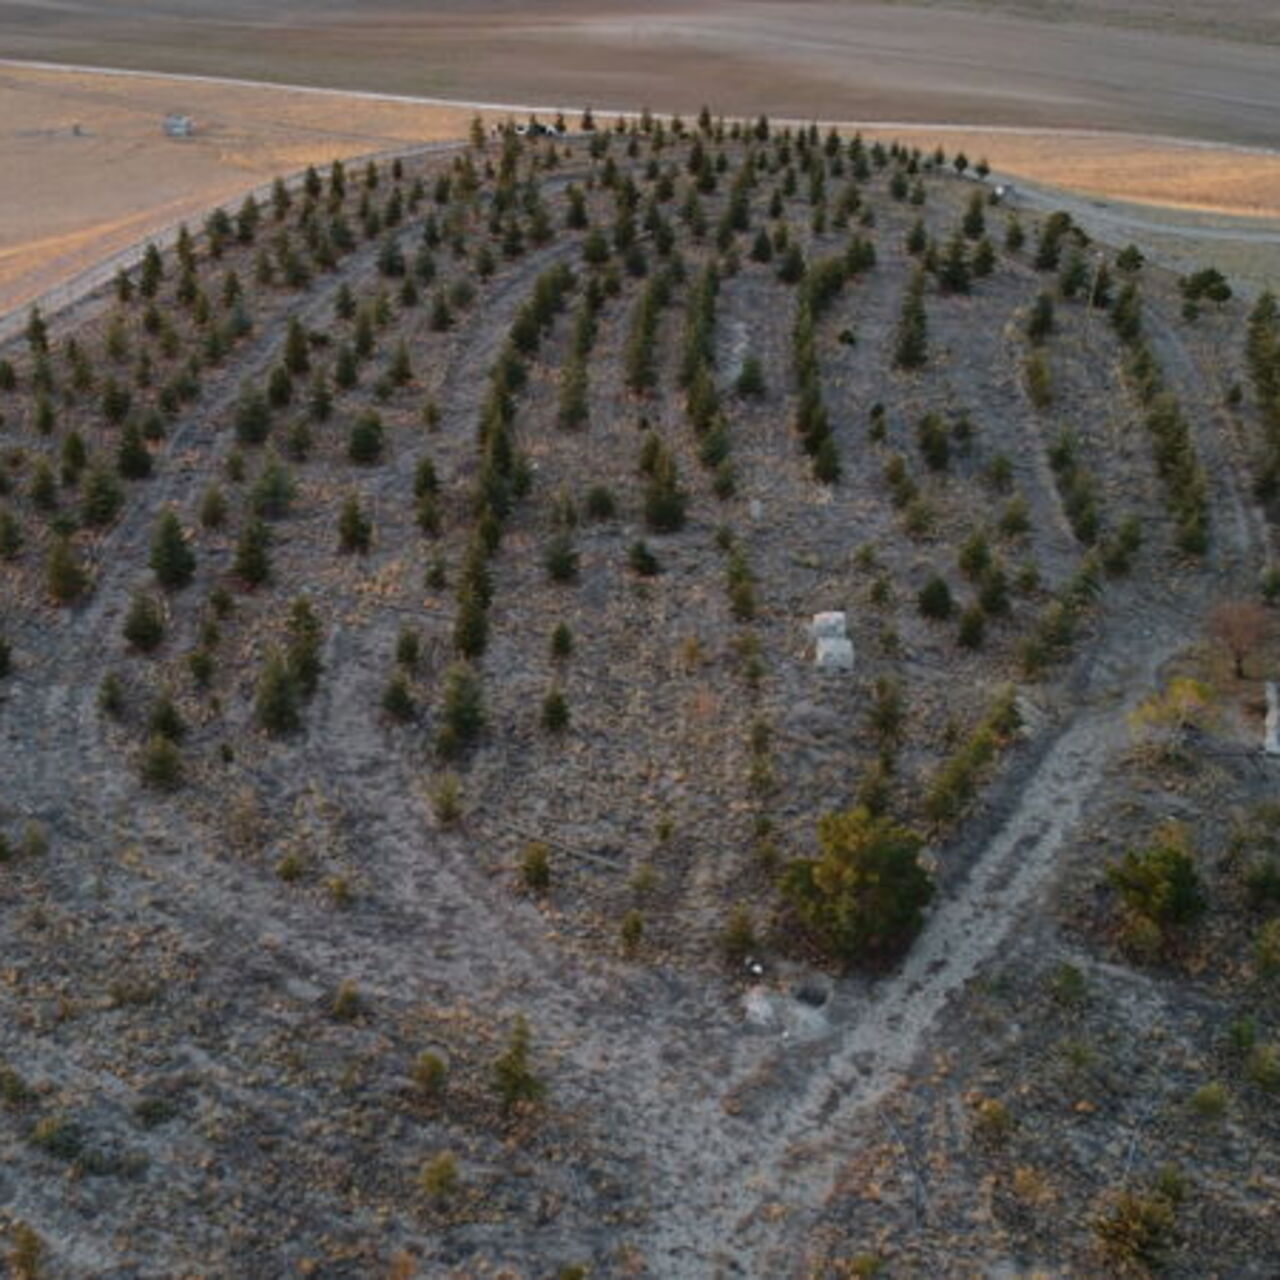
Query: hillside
x,y
415,751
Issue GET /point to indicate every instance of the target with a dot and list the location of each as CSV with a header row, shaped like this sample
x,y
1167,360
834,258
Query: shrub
x,y
272,492
144,623
641,560
934,441
252,416
213,508
741,585
751,378
1040,322
161,764
1262,1067
408,649
302,652
27,1256
664,499
133,458
864,896
429,1075
738,942
911,349
601,504
347,1004
1266,948
555,712
366,440
11,536
1209,1102
973,623
446,800
172,560
463,714
439,1177
561,559
111,695
101,500
513,1077
397,701
276,704
65,575
1137,1230
935,599
252,564
355,530
535,867
1160,882
1039,380
561,642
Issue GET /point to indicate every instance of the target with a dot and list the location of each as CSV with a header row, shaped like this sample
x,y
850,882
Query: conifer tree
x,y
172,560
252,564
912,347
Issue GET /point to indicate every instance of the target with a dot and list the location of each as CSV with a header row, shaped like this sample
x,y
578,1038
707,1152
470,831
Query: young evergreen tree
x,y
252,564
65,575
463,715
513,1076
665,500
101,498
133,458
276,702
864,896
355,530
911,349
144,623
172,560
304,640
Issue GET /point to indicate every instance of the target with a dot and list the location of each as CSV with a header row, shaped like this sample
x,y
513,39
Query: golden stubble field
x,y
97,174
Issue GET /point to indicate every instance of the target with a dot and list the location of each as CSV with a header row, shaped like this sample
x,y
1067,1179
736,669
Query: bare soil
x,y
189,1098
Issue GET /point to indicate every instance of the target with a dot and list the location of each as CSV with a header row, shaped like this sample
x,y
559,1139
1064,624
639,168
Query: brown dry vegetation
x,y
86,195
219,983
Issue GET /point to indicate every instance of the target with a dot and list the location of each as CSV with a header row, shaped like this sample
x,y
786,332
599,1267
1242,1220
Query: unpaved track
x,y
748,1190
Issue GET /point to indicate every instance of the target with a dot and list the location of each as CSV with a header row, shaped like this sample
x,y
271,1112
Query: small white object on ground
x,y
1271,743
834,654
829,626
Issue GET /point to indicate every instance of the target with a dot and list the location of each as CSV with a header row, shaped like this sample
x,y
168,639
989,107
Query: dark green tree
x,y
513,1076
144,623
276,702
911,349
864,896
172,560
65,575
463,714
355,530
252,564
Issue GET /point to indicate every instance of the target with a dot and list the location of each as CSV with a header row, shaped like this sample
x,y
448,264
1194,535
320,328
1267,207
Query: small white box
x,y
835,653
829,626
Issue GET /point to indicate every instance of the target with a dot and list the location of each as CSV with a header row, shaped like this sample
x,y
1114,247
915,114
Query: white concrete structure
x,y
834,653
829,626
